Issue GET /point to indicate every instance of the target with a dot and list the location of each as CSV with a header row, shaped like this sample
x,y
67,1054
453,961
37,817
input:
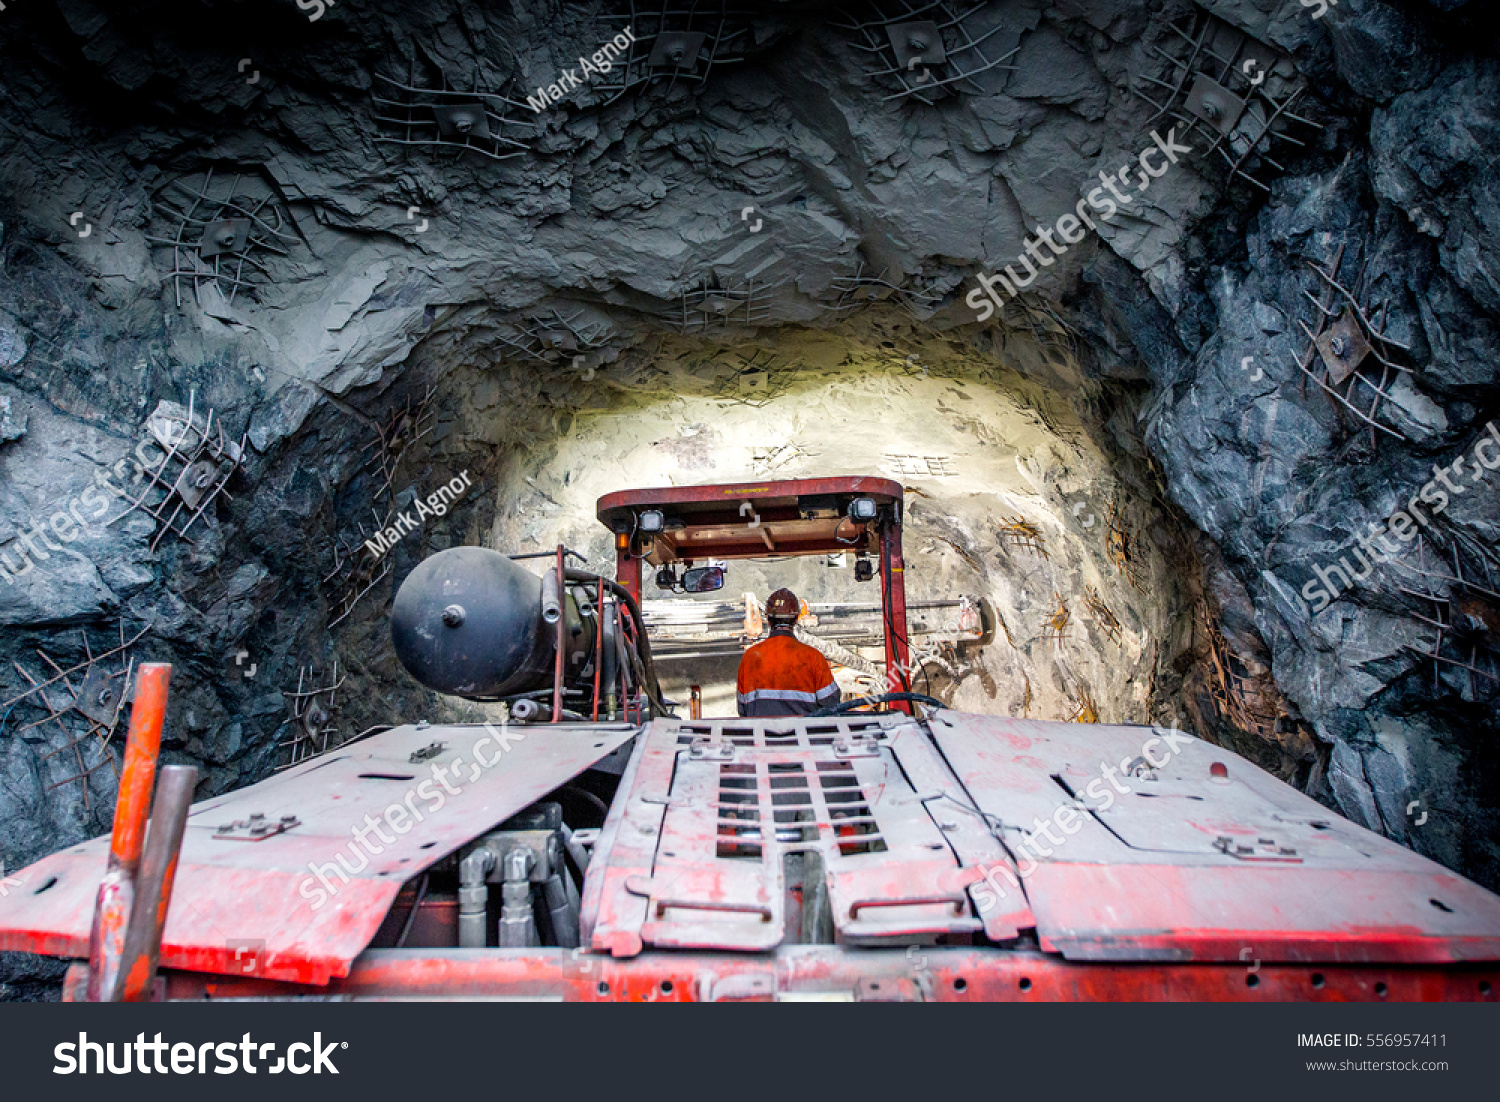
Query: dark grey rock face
x,y
381,268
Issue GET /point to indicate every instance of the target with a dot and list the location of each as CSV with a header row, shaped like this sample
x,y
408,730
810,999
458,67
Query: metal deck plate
x,y
231,893
1189,866
692,853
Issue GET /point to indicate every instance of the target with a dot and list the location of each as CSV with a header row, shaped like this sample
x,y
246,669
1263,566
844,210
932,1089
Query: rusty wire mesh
x,y
927,50
1349,355
83,702
862,288
1463,611
223,231
465,120
313,709
1248,701
552,339
1103,618
1087,711
199,461
1235,91
1019,534
1120,545
675,41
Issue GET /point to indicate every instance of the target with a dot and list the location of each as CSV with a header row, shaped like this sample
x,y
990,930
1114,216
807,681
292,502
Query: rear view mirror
x,y
703,579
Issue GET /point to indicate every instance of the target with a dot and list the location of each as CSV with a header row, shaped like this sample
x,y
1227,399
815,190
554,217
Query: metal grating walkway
x,y
696,855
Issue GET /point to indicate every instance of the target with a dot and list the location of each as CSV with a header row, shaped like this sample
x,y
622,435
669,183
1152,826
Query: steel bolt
x,y
1338,345
454,615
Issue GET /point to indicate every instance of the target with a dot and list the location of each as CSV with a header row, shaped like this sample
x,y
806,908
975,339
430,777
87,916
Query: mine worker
x,y
782,676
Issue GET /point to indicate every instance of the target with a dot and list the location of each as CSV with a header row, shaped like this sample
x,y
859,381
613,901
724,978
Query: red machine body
x,y
948,857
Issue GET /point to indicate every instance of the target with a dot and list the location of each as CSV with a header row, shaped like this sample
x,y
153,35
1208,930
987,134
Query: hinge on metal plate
x,y
257,828
712,751
431,750
858,747
1263,849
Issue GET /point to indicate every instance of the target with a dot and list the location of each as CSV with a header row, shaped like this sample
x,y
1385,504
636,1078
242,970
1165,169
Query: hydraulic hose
x,y
643,644
883,698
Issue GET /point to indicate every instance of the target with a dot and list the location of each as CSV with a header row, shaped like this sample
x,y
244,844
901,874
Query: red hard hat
x,y
783,605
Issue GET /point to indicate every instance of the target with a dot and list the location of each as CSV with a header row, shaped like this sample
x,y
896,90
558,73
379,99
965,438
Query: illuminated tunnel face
x,y
1007,500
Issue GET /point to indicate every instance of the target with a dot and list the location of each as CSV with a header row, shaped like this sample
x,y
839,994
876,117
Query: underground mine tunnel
x,y
1174,324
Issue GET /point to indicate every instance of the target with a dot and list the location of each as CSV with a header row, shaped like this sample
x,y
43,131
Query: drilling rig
x,y
595,845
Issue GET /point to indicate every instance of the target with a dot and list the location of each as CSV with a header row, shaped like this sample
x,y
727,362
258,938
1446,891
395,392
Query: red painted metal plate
x,y
692,854
1171,862
259,907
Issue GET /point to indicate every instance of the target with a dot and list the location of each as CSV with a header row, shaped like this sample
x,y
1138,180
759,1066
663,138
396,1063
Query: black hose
x,y
591,798
643,645
883,698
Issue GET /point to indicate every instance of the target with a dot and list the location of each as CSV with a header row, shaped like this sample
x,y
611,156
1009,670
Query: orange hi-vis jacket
x,y
782,676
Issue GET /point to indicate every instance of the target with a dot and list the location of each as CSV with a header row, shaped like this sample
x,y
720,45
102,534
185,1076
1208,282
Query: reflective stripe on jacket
x,y
782,676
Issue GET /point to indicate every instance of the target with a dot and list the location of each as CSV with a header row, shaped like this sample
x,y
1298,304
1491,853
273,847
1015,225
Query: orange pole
x,y
695,702
116,896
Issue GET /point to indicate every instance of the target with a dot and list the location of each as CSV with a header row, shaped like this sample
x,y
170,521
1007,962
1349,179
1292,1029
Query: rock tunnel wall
x,y
573,292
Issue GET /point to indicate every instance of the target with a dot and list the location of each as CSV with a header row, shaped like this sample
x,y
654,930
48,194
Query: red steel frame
x,y
925,974
614,509
1103,929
